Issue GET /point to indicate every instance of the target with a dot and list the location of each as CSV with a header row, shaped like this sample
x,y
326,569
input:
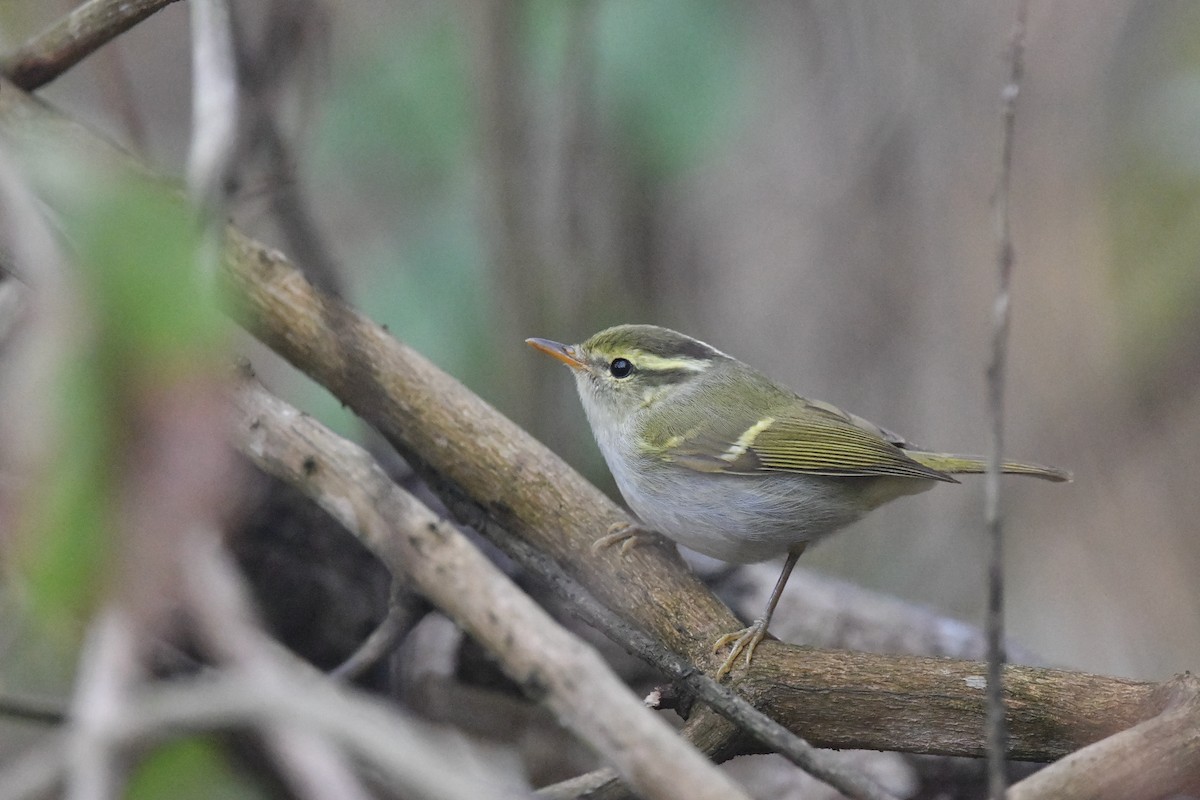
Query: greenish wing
x,y
809,440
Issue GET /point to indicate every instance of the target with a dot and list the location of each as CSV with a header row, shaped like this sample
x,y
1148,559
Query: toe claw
x,y
631,542
626,534
744,641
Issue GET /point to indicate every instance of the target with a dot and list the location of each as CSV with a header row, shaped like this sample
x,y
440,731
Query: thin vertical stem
x,y
997,733
214,109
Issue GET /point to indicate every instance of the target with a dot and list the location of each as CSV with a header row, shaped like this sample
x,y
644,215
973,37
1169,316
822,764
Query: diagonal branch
x,y
547,661
296,448
73,38
404,611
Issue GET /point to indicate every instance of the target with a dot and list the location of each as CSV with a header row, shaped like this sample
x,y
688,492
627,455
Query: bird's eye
x,y
620,368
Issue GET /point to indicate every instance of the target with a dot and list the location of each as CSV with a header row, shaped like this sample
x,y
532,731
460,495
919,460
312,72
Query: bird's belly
x,y
741,519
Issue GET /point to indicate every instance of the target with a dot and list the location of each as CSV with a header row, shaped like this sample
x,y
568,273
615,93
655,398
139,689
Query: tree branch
x,y
1156,758
214,113
107,671
404,611
547,661
415,757
766,731
46,712
73,38
218,604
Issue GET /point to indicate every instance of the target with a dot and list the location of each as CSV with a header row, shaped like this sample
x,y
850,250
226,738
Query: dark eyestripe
x,y
660,377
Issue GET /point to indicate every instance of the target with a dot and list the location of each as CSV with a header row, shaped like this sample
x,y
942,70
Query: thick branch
x,y
1157,758
771,735
73,38
542,657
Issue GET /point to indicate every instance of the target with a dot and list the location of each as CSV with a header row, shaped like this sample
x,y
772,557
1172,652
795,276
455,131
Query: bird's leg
x,y
627,534
747,639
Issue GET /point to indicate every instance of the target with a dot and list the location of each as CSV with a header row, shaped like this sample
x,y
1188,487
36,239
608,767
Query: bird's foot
x,y
626,534
745,640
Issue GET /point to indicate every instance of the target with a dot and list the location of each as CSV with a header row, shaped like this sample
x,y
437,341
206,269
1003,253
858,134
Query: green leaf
x,y
146,312
138,245
190,769
66,547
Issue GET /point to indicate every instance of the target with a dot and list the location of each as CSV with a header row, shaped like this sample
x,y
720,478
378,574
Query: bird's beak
x,y
563,352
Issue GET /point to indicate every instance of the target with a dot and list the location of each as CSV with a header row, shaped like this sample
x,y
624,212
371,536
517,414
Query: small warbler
x,y
718,457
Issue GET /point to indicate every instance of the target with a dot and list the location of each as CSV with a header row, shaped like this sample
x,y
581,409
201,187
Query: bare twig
x,y
401,617
997,734
544,659
219,604
74,37
824,611
23,708
263,70
415,758
214,108
107,671
586,785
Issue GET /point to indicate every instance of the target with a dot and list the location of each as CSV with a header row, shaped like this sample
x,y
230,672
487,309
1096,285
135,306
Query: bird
x,y
718,457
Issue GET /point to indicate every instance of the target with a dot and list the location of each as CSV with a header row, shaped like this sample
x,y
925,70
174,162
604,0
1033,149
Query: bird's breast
x,y
736,518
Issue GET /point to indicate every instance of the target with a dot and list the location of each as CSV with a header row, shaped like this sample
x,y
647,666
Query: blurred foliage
x,y
439,269
66,546
148,316
400,113
190,769
137,245
669,75
1155,198
667,72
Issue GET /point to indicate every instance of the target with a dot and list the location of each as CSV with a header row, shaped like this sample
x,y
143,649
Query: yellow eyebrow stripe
x,y
653,363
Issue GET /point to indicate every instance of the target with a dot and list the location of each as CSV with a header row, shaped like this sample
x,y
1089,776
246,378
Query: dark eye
x,y
620,368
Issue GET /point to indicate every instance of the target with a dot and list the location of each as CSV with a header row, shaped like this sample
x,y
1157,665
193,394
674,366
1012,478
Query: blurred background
x,y
806,186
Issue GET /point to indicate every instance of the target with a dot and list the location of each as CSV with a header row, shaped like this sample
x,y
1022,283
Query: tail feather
x,y
955,464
